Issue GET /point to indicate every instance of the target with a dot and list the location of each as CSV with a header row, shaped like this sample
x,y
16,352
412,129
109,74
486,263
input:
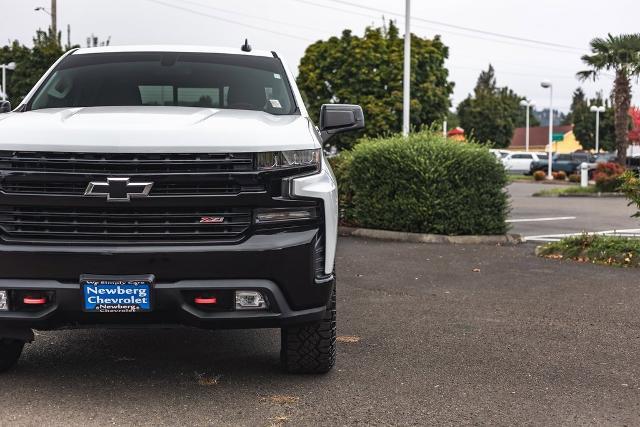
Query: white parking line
x,y
629,232
558,218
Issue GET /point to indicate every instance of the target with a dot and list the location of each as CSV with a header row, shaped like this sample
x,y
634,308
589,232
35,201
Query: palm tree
x,y
620,54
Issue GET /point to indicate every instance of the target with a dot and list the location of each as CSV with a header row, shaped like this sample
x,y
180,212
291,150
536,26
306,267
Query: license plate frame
x,y
117,294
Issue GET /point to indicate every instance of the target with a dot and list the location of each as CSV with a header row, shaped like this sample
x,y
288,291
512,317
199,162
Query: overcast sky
x,y
288,26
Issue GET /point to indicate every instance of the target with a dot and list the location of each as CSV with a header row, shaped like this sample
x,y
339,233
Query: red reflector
x,y
34,301
201,300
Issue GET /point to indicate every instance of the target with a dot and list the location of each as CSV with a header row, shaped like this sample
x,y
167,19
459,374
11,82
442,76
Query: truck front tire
x,y
311,348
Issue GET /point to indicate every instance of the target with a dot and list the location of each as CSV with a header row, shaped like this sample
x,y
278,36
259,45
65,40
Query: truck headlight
x,y
271,160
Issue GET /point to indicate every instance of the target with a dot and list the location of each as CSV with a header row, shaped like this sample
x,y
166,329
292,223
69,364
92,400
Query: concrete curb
x,y
401,236
593,195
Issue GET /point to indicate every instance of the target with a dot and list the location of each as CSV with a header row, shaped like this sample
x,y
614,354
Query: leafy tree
x,y
492,113
368,71
584,121
31,63
620,54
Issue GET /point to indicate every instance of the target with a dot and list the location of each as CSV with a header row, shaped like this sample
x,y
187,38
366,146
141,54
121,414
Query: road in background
x,y
546,217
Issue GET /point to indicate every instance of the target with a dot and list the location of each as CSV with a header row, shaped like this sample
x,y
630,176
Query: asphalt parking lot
x,y
443,334
546,218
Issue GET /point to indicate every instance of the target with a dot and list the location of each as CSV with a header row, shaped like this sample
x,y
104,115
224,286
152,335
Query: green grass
x,y
595,249
515,178
566,191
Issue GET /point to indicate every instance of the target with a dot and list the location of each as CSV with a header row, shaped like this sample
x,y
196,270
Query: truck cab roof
x,y
172,48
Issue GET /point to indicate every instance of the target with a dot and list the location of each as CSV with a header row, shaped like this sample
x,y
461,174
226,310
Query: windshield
x,y
167,79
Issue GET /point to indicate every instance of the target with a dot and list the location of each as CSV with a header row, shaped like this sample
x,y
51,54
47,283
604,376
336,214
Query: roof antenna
x,y
246,47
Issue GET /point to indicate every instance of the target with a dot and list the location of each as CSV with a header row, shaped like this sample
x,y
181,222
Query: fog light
x,y
4,302
250,300
265,216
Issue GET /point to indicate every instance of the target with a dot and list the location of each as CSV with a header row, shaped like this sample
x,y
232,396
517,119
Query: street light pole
x,y
548,85
527,105
597,110
54,18
10,66
406,82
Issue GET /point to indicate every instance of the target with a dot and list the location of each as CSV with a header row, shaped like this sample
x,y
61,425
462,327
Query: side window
x,y
521,156
156,95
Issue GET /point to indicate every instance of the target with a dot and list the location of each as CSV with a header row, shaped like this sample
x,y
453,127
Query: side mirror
x,y
5,107
338,118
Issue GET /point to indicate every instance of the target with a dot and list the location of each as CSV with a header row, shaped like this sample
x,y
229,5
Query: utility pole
x,y
54,18
406,83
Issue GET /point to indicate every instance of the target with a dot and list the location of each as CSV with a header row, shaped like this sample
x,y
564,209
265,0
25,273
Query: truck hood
x,y
154,129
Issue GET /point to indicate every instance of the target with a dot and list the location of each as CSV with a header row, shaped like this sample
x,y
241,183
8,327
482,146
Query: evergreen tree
x,y
492,113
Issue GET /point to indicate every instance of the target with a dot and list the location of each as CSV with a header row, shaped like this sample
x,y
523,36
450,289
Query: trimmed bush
x,y
608,177
539,176
426,184
574,177
560,176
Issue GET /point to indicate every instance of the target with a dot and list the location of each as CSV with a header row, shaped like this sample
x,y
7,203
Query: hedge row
x,y
422,184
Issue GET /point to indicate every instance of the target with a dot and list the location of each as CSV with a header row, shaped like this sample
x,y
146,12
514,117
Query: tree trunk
x,y
622,103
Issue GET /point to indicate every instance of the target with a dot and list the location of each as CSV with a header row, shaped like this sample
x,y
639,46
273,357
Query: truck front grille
x,y
17,185
123,225
68,174
42,198
108,163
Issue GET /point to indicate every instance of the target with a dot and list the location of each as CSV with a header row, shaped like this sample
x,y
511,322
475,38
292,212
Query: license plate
x,y
116,296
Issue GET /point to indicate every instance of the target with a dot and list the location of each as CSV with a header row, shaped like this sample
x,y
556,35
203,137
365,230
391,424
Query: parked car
x,y
161,186
520,162
500,154
605,157
569,163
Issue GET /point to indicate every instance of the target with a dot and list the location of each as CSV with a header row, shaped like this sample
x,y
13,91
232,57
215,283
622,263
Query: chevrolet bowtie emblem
x,y
118,189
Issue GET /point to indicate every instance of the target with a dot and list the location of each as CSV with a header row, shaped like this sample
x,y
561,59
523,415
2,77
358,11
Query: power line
x,y
246,15
460,27
230,21
440,30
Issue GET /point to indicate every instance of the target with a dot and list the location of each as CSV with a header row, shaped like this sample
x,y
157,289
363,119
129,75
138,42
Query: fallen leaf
x,y
206,379
348,339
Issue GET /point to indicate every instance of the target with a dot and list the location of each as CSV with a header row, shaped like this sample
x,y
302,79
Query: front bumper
x,y
280,265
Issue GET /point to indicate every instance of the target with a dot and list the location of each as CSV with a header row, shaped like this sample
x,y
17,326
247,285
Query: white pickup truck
x,y
170,186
